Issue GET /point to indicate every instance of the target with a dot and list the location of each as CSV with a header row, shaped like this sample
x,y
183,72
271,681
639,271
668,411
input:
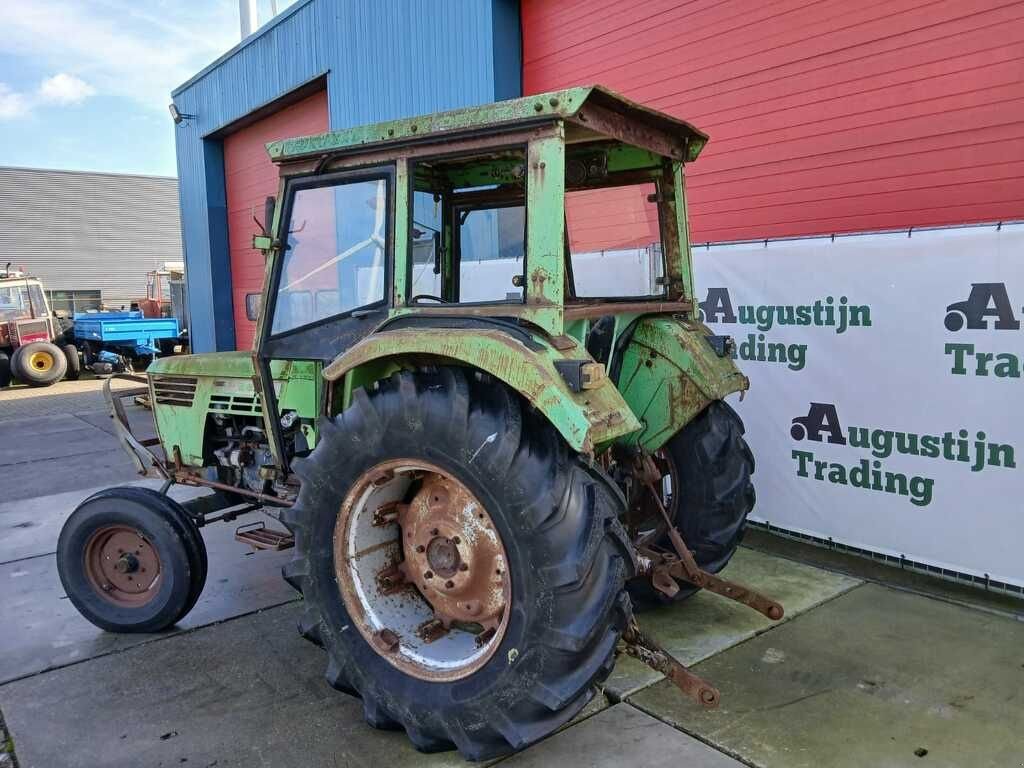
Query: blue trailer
x,y
112,341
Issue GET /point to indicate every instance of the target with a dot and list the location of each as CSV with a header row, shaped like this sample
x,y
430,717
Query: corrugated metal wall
x,y
89,231
382,59
824,116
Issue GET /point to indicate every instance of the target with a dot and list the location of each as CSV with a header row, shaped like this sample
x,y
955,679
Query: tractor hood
x,y
228,365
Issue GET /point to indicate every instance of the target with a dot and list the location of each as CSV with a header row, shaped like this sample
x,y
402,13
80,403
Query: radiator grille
x,y
26,328
174,390
246,405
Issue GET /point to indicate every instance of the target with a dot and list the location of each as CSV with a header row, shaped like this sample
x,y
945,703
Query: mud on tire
x,y
567,555
713,494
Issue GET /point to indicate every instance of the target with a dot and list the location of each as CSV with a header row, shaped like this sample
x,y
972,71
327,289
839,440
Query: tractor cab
x,y
24,312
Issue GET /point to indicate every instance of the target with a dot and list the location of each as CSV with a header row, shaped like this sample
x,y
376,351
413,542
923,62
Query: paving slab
x,y
877,677
63,397
706,624
621,736
30,527
42,629
245,693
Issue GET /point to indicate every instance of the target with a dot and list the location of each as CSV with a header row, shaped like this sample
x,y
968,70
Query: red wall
x,y
250,178
824,116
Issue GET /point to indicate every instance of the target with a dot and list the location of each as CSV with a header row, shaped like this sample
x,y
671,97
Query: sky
x,y
85,84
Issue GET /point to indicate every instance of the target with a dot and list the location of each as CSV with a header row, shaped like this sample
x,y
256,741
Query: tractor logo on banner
x,y
987,307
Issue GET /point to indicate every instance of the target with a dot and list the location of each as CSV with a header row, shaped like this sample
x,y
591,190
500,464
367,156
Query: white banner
x,y
885,409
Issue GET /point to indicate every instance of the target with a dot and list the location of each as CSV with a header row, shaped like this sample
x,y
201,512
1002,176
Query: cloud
x,y
136,49
12,104
63,88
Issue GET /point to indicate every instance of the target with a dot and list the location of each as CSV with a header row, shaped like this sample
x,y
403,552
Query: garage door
x,y
824,116
250,178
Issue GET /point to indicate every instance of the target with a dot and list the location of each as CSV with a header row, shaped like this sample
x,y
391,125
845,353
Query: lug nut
x,y
449,584
464,567
421,548
428,575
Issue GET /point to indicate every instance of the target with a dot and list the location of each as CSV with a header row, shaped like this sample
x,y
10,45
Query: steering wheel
x,y
430,296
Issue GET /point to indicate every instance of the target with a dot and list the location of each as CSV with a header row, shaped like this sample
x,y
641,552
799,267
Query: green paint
x,y
669,374
545,235
587,419
224,385
564,104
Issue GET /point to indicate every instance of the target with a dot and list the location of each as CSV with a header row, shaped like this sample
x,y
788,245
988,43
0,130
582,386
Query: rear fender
x,y
588,419
669,372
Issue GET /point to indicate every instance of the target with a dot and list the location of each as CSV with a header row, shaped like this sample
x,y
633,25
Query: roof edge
x,y
562,104
243,43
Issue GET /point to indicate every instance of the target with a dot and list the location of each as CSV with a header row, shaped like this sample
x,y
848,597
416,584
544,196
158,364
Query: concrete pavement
x,y
857,674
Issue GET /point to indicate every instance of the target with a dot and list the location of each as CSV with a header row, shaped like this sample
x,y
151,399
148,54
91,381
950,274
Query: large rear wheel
x,y
462,567
706,488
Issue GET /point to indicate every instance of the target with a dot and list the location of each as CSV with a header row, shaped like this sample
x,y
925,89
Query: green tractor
x,y
484,405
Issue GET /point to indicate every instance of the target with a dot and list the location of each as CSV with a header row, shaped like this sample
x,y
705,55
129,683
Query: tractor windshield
x,y
21,299
614,242
334,259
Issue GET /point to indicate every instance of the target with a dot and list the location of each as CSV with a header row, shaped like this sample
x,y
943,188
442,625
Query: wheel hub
x,y
422,570
122,565
40,361
453,554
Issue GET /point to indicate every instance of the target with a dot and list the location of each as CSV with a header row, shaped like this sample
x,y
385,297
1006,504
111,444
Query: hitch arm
x,y
685,568
649,651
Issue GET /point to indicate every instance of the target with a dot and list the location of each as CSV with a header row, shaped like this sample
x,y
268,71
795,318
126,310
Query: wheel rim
x,y
122,566
40,362
422,570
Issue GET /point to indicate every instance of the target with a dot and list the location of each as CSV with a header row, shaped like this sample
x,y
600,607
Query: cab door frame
x,y
324,339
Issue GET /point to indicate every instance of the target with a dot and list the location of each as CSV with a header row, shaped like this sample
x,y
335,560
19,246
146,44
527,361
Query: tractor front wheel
x,y
39,364
463,569
5,370
131,560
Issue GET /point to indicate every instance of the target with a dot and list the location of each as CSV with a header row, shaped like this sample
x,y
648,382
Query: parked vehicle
x,y
30,348
119,342
485,445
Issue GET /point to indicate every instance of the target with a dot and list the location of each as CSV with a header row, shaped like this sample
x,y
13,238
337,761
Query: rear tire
x,y
712,494
157,522
557,519
74,362
39,364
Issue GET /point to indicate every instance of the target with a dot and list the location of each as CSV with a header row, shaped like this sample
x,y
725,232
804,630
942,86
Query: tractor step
x,y
258,536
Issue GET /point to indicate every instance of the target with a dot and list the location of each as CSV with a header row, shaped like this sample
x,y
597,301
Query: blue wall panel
x,y
382,59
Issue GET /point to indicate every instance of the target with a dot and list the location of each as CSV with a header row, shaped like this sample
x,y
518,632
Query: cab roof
x,y
591,112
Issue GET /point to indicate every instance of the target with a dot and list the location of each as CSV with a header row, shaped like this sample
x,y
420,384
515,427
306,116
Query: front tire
x,y
74,371
555,517
710,465
39,364
164,556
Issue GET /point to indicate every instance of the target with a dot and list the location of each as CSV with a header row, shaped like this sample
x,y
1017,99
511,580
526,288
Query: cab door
x,y
329,276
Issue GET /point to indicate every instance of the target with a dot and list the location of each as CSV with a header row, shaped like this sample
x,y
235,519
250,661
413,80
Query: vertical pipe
x,y
248,17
